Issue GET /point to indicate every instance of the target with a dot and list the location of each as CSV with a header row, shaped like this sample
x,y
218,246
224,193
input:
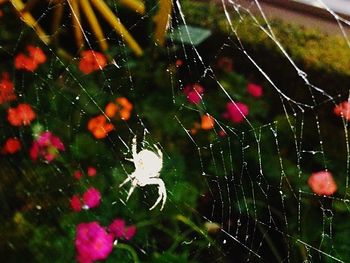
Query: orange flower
x,y
22,115
195,128
343,109
11,146
31,62
124,115
91,61
125,108
207,122
99,126
322,183
111,109
6,89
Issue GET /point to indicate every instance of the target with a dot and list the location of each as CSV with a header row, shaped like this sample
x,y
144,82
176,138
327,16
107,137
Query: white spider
x,y
148,165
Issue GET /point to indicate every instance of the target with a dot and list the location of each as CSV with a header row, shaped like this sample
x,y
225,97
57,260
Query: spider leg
x,y
125,181
132,188
161,192
134,147
160,153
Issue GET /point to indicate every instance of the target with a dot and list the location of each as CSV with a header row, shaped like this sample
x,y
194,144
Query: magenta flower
x,y
236,111
194,93
92,242
46,146
255,90
91,198
130,232
75,203
119,230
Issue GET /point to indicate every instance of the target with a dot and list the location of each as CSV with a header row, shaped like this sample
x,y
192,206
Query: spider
x,y
148,165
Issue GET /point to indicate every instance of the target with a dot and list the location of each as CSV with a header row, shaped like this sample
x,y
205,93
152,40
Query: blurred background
x,y
243,104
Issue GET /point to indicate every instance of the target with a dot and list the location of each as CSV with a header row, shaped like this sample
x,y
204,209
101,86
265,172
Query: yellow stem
x,y
30,20
73,4
134,5
57,18
162,20
113,20
95,26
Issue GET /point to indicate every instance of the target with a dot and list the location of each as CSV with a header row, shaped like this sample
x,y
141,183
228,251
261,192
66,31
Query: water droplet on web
x,y
77,98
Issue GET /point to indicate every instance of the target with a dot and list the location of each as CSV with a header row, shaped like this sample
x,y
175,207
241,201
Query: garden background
x,y
250,114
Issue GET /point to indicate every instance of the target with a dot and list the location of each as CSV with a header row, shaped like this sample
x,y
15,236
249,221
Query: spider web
x,y
259,216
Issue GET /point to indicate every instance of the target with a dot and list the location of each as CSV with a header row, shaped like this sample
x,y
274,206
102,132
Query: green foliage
x,y
310,48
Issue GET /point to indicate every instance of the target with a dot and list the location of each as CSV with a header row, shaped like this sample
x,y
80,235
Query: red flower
x,y
92,242
47,145
6,89
322,183
91,198
22,115
222,133
91,171
119,230
179,63
36,54
11,146
194,93
255,90
92,61
225,63
77,175
236,111
343,110
75,203
31,62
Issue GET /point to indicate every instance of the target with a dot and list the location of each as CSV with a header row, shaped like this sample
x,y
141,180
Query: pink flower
x,y
194,93
91,171
75,203
343,109
236,111
322,183
130,232
119,230
47,146
255,90
91,198
92,242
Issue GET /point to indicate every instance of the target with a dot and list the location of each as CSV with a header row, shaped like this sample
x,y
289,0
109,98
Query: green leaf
x,y
189,35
